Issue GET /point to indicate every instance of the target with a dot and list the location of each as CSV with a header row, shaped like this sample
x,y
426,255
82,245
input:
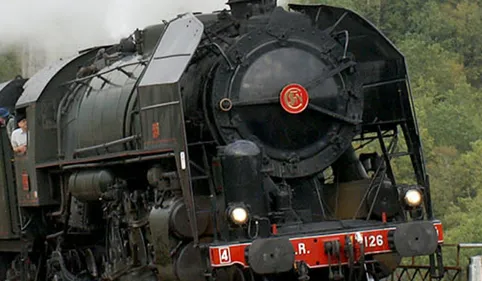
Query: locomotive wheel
x,y
234,273
4,264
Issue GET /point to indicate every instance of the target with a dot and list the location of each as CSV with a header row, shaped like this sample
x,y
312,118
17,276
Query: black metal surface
x,y
11,246
417,238
243,181
266,60
329,227
348,167
244,9
382,68
100,112
387,264
179,217
10,92
38,102
35,85
162,244
169,220
4,84
271,256
189,264
384,197
84,215
144,275
9,216
160,85
33,187
44,92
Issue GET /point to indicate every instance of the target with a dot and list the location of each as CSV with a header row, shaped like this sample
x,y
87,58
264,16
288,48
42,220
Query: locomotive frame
x,y
153,162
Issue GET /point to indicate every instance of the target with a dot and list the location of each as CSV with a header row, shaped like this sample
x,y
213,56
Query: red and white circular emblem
x,y
294,98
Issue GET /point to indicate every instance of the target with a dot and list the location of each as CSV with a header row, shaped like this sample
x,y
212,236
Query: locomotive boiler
x,y
222,146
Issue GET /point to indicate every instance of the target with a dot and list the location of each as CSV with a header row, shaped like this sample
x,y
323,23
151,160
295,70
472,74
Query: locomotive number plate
x,y
311,249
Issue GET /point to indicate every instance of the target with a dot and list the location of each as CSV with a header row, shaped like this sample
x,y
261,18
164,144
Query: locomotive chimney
x,y
244,9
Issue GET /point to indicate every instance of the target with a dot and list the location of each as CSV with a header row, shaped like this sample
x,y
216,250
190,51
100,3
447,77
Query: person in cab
x,y
7,120
19,136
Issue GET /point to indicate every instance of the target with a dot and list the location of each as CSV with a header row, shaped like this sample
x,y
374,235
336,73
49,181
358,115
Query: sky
x,y
65,26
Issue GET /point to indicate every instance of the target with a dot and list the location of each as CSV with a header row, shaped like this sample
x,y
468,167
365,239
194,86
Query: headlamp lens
x,y
413,198
239,215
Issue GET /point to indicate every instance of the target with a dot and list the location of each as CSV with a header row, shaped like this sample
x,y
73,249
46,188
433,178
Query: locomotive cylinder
x,y
243,181
90,185
178,219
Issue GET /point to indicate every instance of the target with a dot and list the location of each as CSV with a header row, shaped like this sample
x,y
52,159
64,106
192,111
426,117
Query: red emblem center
x,y
294,98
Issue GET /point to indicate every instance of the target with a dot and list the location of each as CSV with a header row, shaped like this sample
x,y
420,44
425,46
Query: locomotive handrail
x,y
106,145
382,83
124,161
66,164
159,105
465,246
78,80
311,106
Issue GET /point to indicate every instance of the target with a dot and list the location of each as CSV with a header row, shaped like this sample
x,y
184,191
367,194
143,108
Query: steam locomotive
x,y
222,146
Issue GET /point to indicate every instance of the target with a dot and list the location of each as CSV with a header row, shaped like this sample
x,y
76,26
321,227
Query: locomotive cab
x,y
10,91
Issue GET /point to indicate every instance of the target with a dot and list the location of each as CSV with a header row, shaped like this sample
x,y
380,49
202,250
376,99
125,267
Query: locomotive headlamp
x,y
413,197
238,214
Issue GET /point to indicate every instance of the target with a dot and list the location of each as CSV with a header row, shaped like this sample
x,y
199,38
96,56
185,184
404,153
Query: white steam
x,y
62,27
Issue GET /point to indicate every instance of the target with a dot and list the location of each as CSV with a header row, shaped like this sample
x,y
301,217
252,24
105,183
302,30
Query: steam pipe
x,y
244,9
348,168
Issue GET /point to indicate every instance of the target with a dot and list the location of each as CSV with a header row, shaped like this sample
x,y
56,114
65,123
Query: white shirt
x,y
19,137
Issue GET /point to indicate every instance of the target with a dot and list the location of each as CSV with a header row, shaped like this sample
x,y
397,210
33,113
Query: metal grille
x,y
422,273
458,272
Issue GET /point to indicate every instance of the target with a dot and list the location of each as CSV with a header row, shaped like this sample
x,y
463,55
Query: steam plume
x,y
62,27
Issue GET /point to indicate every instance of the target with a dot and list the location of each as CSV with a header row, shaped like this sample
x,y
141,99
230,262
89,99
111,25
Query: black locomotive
x,y
218,146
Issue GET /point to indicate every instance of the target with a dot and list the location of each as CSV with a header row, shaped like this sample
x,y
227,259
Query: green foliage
x,y
467,22
444,99
10,65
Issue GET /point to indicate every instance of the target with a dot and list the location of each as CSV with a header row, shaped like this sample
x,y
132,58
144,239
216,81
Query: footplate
x,y
313,251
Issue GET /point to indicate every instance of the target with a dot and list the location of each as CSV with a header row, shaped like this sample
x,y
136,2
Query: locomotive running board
x,y
310,249
159,94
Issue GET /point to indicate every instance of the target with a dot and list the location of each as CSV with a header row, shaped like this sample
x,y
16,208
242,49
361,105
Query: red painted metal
x,y
294,98
311,249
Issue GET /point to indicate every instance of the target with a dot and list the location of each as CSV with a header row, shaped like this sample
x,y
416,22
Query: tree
x,y
10,65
